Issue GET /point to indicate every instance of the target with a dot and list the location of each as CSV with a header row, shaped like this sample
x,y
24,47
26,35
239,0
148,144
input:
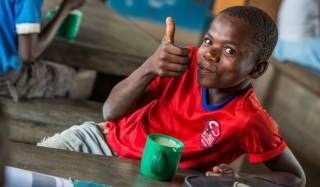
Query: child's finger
x,y
225,168
170,30
216,169
222,168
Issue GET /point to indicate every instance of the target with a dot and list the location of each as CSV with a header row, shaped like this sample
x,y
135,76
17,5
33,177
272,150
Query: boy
x,y
21,42
203,97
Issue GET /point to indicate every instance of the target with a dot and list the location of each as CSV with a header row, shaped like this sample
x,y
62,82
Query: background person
x,y
21,42
299,33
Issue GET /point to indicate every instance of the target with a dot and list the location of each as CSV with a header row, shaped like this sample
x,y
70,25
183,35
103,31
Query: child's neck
x,y
217,96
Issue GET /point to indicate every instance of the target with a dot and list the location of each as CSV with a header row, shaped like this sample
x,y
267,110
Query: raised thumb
x,y
170,29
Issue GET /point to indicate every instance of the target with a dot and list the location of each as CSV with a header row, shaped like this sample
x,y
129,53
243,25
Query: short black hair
x,y
263,27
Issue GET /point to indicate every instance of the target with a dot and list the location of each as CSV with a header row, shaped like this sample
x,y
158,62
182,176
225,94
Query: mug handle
x,y
157,156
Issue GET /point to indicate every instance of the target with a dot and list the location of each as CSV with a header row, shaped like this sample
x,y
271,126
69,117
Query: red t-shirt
x,y
211,134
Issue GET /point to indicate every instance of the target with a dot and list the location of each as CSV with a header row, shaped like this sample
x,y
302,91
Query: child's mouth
x,y
203,69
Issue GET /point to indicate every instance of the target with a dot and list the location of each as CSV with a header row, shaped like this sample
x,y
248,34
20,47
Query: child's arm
x,y
285,170
32,45
167,61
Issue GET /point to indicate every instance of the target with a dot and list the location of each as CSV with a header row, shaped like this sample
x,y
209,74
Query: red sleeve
x,y
261,139
158,85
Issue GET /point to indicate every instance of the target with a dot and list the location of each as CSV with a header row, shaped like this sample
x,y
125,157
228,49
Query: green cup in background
x,y
161,157
49,16
70,26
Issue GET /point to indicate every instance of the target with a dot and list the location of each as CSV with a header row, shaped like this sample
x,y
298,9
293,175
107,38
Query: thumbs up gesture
x,y
169,60
170,30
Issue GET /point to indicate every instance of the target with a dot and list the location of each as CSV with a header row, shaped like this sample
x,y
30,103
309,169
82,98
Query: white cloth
x,y
16,177
86,138
299,33
306,53
299,20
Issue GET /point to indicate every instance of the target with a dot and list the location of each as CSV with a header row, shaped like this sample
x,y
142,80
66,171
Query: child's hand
x,y
72,4
222,169
169,60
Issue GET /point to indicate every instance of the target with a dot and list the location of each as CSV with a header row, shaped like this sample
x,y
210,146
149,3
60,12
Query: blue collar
x,y
206,106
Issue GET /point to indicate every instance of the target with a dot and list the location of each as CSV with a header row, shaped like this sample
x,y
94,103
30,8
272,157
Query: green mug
x,y
70,26
161,157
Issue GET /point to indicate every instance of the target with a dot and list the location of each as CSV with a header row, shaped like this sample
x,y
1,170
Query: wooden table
x,y
107,41
95,168
31,120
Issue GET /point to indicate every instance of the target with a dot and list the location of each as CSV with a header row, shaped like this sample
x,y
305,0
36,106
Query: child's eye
x,y
230,51
207,41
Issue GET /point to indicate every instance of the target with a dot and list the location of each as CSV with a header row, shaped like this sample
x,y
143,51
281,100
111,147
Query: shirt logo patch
x,y
210,134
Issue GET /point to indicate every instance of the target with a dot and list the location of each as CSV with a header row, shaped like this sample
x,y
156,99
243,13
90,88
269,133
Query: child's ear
x,y
259,69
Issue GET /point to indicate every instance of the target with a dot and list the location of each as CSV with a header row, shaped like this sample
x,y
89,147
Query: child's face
x,y
226,56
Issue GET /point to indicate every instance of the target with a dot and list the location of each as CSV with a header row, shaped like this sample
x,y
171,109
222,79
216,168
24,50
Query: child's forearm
x,y
168,61
125,95
36,44
279,177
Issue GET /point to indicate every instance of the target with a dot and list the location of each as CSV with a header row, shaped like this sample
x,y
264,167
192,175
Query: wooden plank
x,y
57,111
30,132
297,111
29,121
101,60
308,78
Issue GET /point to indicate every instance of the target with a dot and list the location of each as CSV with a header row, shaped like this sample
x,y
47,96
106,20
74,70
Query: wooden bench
x,y
29,121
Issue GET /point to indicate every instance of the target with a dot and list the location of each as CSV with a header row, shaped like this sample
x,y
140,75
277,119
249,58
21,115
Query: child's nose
x,y
212,54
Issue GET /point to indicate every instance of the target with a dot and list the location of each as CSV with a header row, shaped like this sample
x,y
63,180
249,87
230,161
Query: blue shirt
x,y
16,17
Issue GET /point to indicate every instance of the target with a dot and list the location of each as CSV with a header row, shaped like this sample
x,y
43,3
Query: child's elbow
x,y
299,179
111,114
107,114
302,180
